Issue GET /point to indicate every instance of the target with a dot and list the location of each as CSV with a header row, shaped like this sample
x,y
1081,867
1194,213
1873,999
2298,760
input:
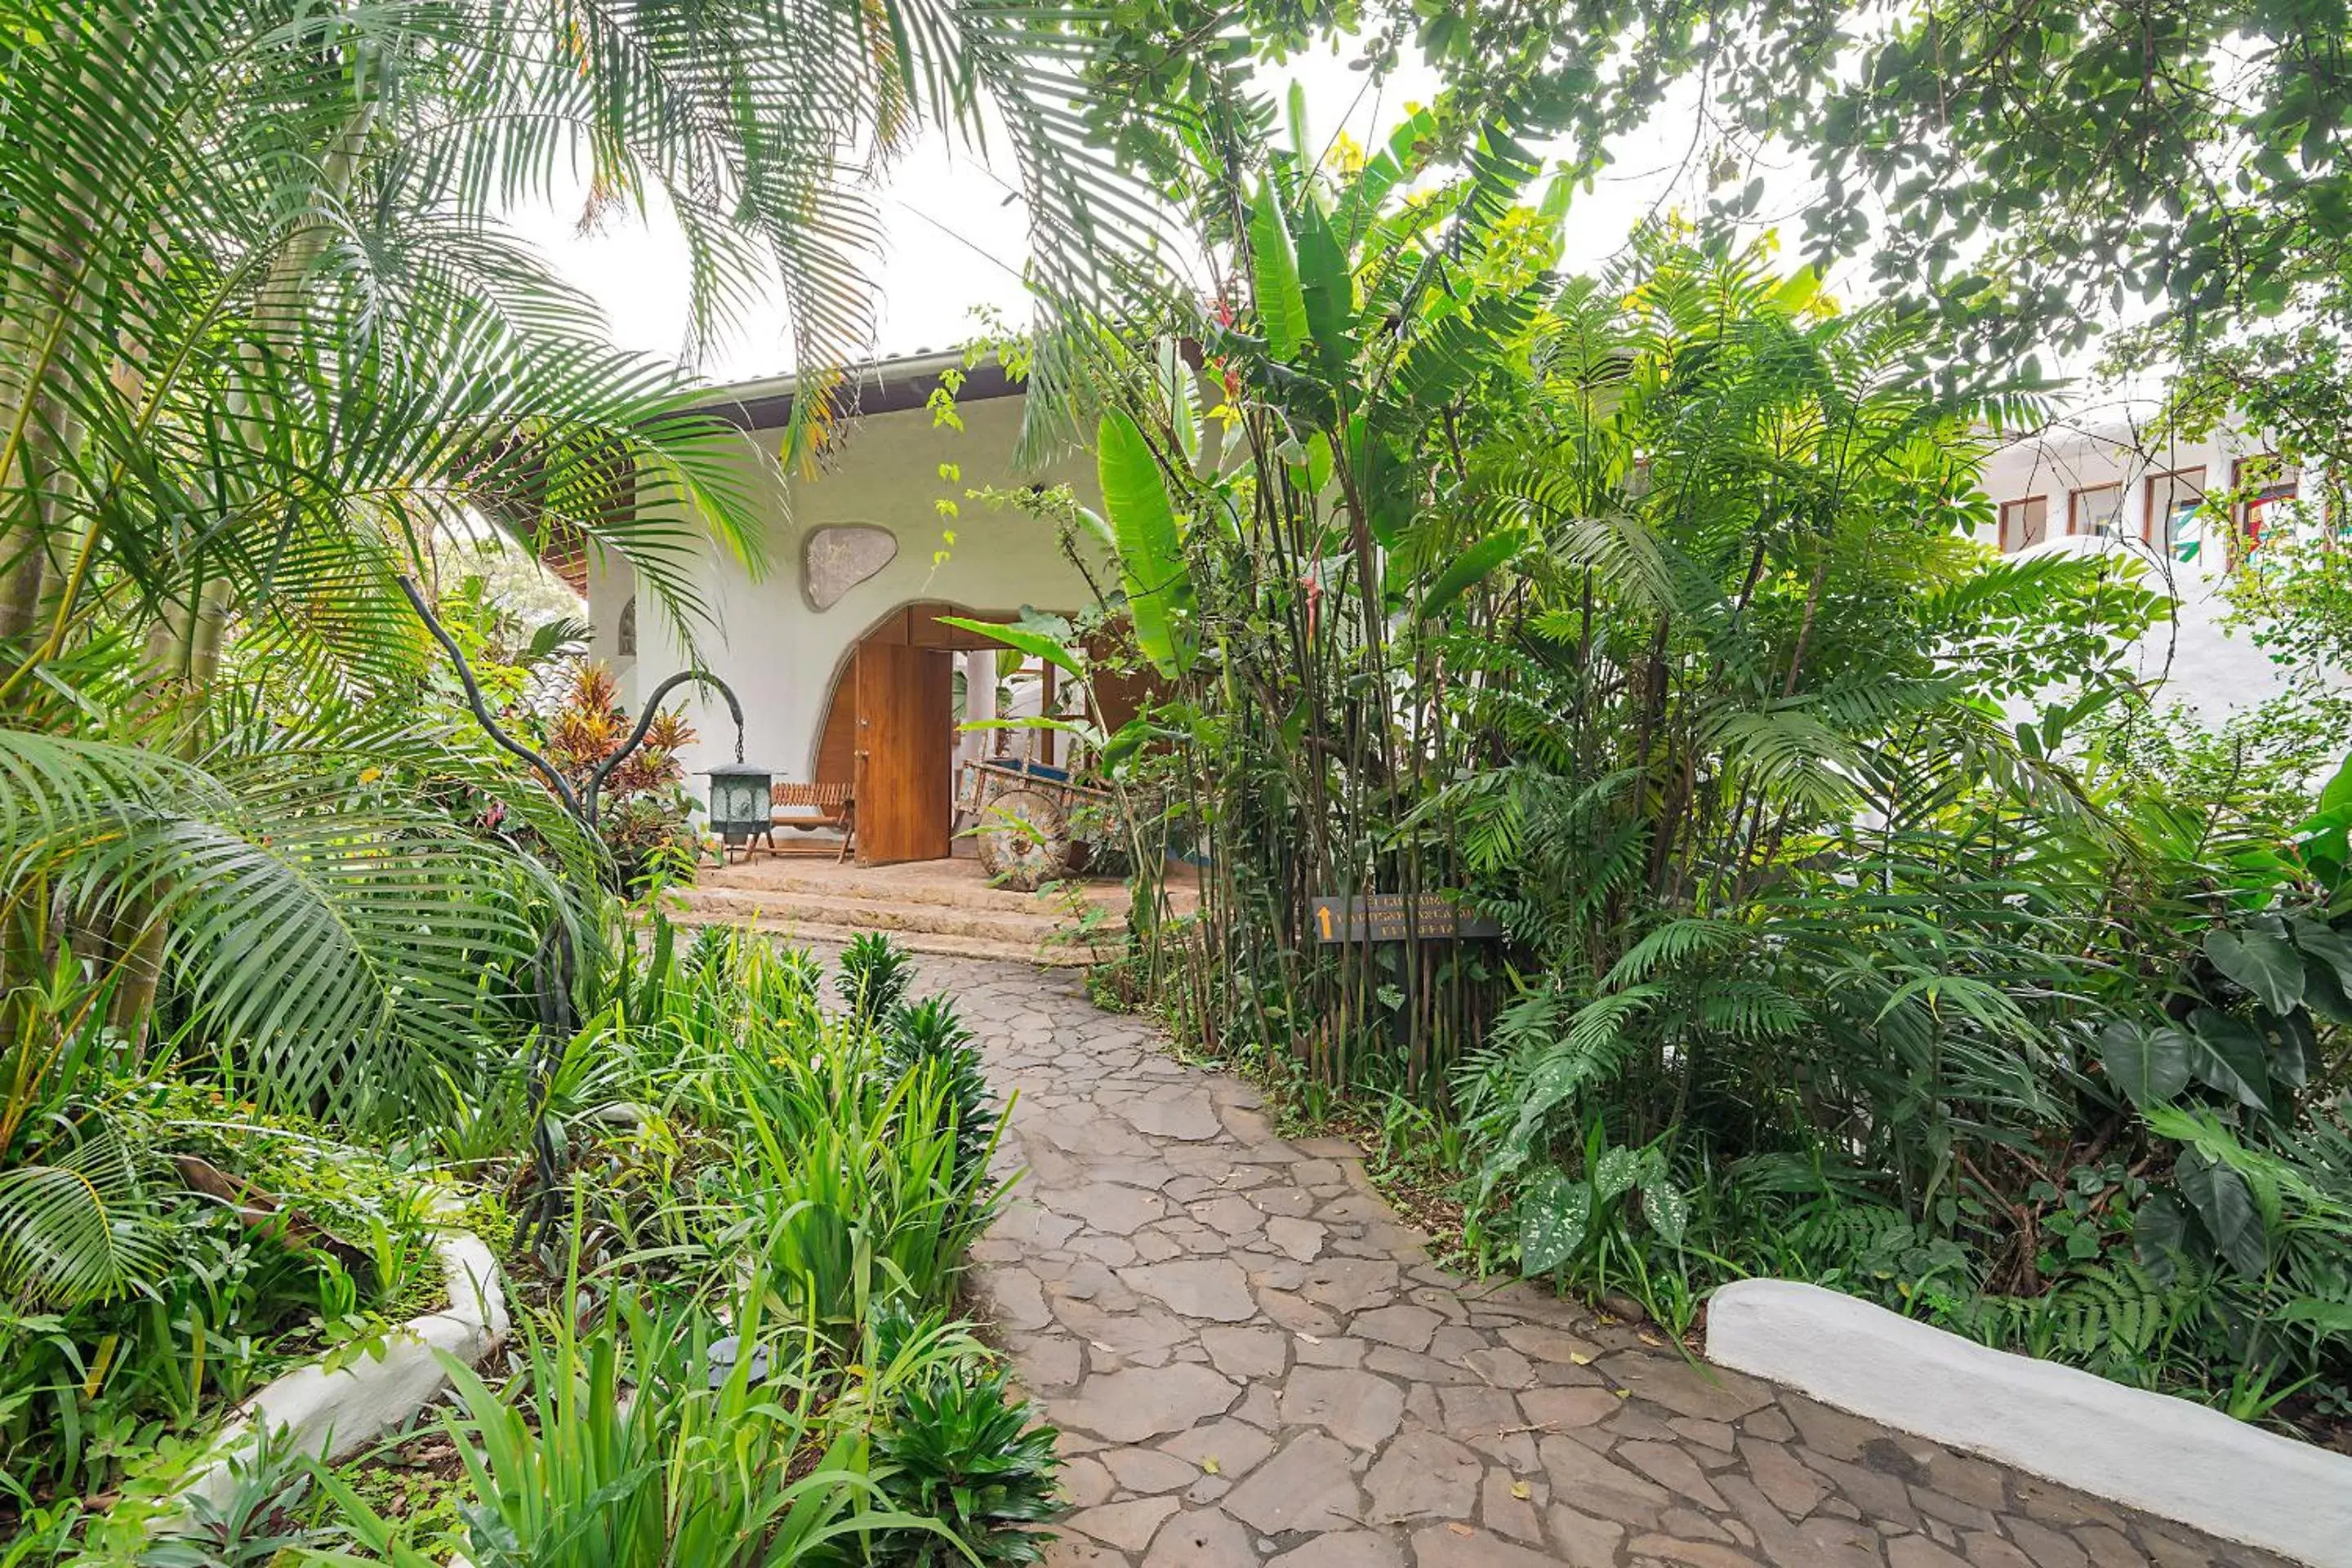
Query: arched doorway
x,y
889,730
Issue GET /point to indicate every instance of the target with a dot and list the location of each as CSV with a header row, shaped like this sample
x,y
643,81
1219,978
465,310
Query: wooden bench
x,y
832,806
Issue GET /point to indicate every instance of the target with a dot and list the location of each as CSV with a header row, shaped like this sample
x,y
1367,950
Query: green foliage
x,y
631,1444
259,1523
852,1188
927,1039
268,352
269,332
385,913
1156,581
875,975
1860,921
1558,1217
74,1225
960,1447
210,1305
766,1246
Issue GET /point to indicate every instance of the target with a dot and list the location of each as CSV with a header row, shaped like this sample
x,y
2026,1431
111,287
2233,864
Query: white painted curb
x,y
335,1414
2175,1460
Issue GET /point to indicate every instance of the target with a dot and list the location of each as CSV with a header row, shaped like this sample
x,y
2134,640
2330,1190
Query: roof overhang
x,y
879,386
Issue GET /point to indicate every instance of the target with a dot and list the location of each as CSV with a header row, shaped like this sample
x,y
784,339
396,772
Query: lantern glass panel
x,y
738,801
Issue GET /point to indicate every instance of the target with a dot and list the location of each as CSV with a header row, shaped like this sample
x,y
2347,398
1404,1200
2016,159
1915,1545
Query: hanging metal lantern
x,y
740,808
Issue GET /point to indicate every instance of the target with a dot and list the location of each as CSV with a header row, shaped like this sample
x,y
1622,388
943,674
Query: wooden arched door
x,y
904,753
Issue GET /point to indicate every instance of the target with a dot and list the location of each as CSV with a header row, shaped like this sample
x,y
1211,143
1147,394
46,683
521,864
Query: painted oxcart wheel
x,y
1024,839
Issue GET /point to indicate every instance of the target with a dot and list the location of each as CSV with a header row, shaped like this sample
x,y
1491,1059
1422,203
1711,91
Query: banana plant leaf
x,y
1159,580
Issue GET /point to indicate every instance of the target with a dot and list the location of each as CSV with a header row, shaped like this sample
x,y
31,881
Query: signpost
x,y
1395,917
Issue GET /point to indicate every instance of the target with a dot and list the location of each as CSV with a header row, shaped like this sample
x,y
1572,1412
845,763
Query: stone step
x,y
1028,925
839,933
917,882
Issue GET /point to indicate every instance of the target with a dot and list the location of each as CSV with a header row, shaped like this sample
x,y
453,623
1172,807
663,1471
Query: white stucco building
x,y
2114,488
844,673
848,678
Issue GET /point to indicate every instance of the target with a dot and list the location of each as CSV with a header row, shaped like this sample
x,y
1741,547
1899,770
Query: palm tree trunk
x,y
21,581
24,541
184,659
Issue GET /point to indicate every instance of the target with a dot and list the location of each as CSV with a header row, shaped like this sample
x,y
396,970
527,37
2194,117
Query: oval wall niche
x,y
835,560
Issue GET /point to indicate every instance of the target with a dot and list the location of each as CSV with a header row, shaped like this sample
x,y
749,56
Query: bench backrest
x,y
817,795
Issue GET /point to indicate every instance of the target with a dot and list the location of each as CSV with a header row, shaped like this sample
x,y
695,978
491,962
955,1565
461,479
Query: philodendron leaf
x,y
2326,838
1614,1173
2295,1052
2329,1318
1553,1215
2227,1052
2324,993
2329,946
2150,1066
2160,1236
1464,572
1125,742
1667,1209
2337,791
2261,962
2226,1204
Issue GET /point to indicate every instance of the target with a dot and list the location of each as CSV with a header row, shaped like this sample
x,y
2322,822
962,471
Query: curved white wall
x,y
780,655
2177,1460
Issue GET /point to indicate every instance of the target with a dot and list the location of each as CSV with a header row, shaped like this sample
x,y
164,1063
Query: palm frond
x,y
332,952
75,1224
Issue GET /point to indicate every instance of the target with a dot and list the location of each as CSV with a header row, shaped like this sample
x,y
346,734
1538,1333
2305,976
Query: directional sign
x,y
1392,917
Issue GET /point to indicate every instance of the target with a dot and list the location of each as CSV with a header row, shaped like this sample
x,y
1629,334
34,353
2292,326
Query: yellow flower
x,y
368,776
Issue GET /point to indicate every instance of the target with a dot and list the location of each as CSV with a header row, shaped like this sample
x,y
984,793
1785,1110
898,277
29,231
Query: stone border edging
x,y
2177,1460
333,1414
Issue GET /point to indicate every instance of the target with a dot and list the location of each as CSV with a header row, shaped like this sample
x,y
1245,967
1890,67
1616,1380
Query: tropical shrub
x,y
242,1245
644,814
1640,613
875,975
960,1447
266,1518
853,1189
928,1037
633,1440
269,357
712,1111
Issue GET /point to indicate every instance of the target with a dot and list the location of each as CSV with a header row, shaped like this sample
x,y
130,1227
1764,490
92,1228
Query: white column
x,y
978,701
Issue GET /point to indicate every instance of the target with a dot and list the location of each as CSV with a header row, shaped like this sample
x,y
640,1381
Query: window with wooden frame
x,y
2170,520
2024,522
2096,509
2264,486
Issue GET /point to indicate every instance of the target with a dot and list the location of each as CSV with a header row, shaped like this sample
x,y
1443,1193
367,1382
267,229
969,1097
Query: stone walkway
x,y
1253,1361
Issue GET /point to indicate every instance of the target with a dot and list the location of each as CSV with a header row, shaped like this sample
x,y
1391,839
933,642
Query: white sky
x,y
954,242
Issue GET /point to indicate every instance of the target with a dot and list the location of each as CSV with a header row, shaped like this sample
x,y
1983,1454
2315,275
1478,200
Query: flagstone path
x,y
1254,1362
